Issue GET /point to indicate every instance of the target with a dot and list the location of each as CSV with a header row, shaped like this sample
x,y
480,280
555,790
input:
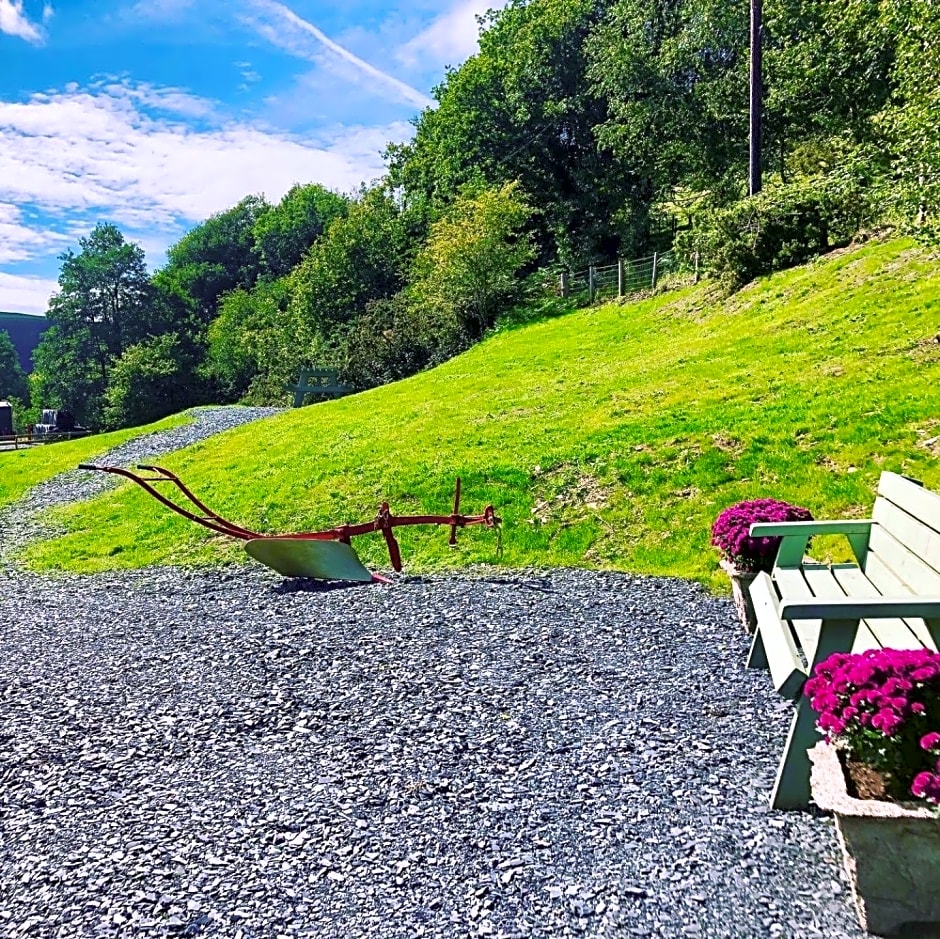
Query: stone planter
x,y
740,584
891,852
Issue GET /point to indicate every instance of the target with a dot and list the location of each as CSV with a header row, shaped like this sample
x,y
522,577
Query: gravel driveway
x,y
525,754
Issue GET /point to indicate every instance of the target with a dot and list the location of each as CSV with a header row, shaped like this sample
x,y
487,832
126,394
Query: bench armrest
x,y
796,535
789,529
853,608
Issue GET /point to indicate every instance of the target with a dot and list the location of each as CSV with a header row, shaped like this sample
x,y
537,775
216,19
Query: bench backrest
x,y
904,549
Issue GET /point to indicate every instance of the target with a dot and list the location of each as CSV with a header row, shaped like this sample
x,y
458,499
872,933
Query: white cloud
x,y
161,9
122,152
19,241
100,149
14,22
19,294
47,13
451,38
284,28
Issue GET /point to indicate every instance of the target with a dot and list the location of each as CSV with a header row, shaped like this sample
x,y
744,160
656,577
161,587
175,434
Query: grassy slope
x,y
609,437
20,470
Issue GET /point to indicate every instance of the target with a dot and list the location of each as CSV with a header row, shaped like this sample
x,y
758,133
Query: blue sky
x,y
154,114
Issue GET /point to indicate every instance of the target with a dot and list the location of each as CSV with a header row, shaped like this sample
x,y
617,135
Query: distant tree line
x,y
582,130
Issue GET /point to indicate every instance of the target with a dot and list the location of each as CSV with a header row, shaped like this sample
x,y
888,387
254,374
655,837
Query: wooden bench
x,y
807,610
318,381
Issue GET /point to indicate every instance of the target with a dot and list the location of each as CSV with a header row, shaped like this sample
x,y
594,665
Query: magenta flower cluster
x,y
883,707
731,532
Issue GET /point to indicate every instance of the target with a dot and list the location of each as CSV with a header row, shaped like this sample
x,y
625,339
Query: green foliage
x,y
13,382
523,108
912,123
217,256
467,271
361,258
394,339
610,437
152,379
104,305
253,350
781,227
283,234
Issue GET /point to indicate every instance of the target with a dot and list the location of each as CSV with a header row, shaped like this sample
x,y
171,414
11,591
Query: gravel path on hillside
x,y
523,754
25,520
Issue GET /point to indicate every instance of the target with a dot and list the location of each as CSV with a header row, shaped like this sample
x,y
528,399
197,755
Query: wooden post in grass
x,y
696,267
591,283
620,273
655,269
565,287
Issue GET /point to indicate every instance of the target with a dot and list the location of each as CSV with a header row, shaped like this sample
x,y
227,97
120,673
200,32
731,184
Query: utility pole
x,y
754,178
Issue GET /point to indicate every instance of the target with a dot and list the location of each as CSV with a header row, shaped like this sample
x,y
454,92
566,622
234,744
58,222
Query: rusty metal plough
x,y
324,555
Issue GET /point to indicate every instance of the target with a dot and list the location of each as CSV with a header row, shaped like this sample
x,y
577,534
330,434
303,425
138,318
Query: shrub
x,y
779,228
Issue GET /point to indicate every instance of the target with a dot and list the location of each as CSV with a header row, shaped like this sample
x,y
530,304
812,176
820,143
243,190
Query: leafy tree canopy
x,y
104,304
283,234
215,257
13,383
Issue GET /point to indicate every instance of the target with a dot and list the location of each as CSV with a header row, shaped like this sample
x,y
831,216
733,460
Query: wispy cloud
x,y
161,9
284,28
25,294
129,153
20,241
14,22
450,38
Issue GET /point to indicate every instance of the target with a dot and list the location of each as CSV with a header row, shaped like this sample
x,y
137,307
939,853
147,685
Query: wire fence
x,y
619,279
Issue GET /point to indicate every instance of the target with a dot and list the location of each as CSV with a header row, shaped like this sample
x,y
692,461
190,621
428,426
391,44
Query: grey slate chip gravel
x,y
526,754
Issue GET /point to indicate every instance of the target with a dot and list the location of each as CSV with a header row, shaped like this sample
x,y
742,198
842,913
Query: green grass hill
x,y
608,437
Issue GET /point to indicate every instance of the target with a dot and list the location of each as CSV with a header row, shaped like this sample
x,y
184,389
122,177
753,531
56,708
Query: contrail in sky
x,y
409,94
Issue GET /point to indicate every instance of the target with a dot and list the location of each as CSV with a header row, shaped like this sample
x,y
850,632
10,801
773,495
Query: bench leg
x,y
757,658
791,790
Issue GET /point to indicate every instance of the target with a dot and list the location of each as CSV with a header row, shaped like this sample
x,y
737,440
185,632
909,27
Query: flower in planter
x,y
882,708
731,532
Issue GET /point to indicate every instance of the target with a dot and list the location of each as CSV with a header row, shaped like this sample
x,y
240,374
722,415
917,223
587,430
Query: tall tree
x,y
283,234
913,119
217,256
361,258
468,269
523,108
104,304
13,383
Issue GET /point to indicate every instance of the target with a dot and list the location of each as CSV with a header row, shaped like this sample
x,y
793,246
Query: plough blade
x,y
306,557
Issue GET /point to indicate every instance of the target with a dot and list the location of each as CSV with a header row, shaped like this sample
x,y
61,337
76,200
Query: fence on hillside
x,y
619,279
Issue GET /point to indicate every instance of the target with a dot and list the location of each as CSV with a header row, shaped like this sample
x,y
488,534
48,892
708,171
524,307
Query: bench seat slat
x,y
889,632
786,667
792,583
825,582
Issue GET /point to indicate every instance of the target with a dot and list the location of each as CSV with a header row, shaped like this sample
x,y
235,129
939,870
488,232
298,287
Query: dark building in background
x,y
25,331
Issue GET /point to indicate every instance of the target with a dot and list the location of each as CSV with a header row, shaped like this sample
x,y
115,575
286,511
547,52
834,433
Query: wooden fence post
x,y
620,277
655,267
696,267
565,288
591,284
